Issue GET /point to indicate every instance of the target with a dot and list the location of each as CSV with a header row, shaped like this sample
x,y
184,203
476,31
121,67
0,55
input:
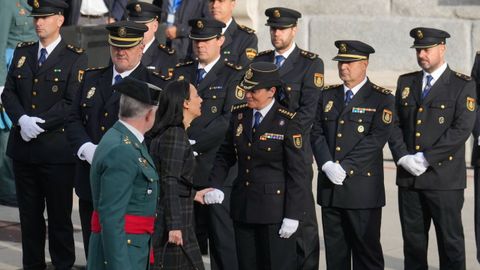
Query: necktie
x,y
256,123
118,78
43,57
428,86
279,59
200,75
348,96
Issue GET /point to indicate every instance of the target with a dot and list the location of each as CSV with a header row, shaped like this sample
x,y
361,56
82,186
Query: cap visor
x,y
193,37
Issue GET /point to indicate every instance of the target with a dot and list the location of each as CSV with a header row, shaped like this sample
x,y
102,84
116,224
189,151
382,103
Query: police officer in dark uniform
x,y
39,90
302,72
216,81
353,122
241,43
436,113
267,199
475,162
156,56
95,106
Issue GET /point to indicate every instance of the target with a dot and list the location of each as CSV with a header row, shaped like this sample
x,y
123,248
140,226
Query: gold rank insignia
x,y
91,92
343,48
297,140
80,75
251,53
276,13
239,130
405,92
36,4
22,12
470,104
419,34
248,74
143,161
239,93
122,32
21,61
329,106
126,140
387,116
214,109
318,79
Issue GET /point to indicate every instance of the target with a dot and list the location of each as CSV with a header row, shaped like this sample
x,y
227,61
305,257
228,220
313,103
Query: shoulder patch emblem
x,y
239,93
405,92
387,116
297,140
251,53
471,104
21,61
318,79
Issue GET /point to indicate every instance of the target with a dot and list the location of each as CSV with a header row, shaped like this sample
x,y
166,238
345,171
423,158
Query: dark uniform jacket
x,y
271,166
240,44
302,73
44,92
354,136
438,126
476,128
124,182
159,58
95,110
218,91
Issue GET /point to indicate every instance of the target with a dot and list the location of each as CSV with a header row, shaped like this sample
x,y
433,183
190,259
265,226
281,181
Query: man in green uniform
x,y
124,183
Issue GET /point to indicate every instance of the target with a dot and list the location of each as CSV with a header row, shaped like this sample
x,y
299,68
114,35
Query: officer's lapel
x,y
360,98
32,58
417,87
339,100
228,34
289,63
439,86
211,76
53,58
264,125
105,84
147,58
247,123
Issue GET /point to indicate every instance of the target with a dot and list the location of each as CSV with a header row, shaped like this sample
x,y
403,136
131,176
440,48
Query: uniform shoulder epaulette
x,y
332,86
161,76
25,44
239,107
381,89
246,29
286,113
94,68
410,73
463,76
233,65
265,52
182,64
309,55
166,49
75,49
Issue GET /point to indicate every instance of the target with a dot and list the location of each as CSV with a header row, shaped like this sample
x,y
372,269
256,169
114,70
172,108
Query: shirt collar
x,y
123,74
135,131
148,45
356,88
265,110
436,74
288,52
226,27
208,67
50,47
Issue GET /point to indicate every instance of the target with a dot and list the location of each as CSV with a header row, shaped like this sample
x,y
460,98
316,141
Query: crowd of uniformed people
x,y
204,144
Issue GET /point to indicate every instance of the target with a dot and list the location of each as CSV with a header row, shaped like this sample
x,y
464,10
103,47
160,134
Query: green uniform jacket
x,y
124,181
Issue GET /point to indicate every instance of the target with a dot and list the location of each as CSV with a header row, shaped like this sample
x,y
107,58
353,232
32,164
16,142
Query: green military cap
x,y
44,8
427,37
261,75
142,91
141,12
352,50
205,29
280,17
125,34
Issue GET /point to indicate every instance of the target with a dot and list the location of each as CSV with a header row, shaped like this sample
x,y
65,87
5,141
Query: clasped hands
x,y
209,196
334,171
29,128
414,164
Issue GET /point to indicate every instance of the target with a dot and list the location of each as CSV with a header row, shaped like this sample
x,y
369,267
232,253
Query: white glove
x,y
214,196
192,142
1,91
289,227
420,159
408,163
478,140
24,137
334,171
29,126
88,151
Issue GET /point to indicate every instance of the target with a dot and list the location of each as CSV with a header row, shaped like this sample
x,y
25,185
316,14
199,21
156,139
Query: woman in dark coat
x,y
173,155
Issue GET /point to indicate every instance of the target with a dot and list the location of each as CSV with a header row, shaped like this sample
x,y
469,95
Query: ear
x,y
186,104
60,20
273,90
221,40
155,25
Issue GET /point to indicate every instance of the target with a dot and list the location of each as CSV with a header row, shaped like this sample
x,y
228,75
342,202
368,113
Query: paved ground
x,y
10,246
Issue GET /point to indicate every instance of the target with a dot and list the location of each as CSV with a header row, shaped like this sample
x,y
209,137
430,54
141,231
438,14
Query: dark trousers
x,y
417,209
36,185
7,182
308,243
352,233
85,209
200,212
259,247
477,210
223,255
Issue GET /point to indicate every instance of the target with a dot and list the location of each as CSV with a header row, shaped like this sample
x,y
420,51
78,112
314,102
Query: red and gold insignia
x,y
470,104
80,75
387,116
318,79
297,140
239,93
251,53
